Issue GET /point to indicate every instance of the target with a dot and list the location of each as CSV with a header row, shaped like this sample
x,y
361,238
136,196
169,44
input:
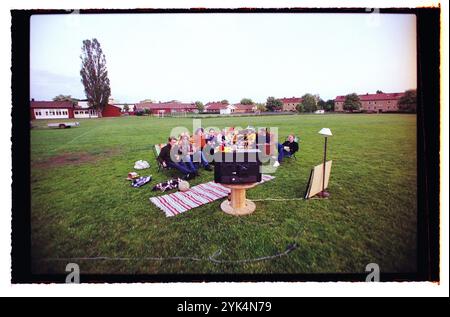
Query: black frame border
x,y
428,146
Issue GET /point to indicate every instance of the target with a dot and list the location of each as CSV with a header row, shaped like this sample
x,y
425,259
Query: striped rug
x,y
179,202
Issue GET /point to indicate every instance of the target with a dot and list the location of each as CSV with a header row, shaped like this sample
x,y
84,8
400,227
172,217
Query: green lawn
x,y
82,206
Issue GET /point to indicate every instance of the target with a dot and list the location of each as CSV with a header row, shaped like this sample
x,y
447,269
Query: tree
x,y
66,98
379,92
408,102
329,105
94,75
299,107
321,104
246,101
261,107
273,104
126,108
352,102
200,106
146,100
309,103
225,102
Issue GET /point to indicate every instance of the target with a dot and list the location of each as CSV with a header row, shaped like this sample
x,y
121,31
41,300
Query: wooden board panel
x,y
315,181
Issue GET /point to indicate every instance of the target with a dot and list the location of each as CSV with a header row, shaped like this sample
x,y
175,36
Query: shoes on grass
x,y
141,181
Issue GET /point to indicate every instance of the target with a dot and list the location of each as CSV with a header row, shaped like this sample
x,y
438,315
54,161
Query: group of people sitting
x,y
188,153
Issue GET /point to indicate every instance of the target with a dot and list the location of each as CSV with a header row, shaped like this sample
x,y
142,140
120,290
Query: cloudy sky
x,y
210,57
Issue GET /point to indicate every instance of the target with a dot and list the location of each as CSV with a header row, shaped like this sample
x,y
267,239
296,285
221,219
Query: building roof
x,y
372,97
216,106
51,104
240,106
165,105
291,100
90,107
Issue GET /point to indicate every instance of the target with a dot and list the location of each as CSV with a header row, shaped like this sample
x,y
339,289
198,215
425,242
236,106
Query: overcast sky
x,y
211,57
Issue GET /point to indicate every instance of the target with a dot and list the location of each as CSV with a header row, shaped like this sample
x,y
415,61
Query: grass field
x,y
82,206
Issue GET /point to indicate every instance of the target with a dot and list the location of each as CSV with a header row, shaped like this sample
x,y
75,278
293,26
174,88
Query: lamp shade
x,y
325,132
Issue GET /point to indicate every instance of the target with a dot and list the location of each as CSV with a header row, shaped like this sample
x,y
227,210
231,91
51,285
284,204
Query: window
x,y
76,112
46,113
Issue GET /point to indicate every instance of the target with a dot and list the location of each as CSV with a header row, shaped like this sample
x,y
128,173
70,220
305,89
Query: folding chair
x,y
156,151
294,155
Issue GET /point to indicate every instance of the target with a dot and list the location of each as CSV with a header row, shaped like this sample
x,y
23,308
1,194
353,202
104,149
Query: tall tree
x,y
352,102
309,103
126,107
273,104
246,101
379,92
200,106
225,102
408,102
94,75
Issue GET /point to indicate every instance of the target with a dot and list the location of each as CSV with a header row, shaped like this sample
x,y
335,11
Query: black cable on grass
x,y
212,258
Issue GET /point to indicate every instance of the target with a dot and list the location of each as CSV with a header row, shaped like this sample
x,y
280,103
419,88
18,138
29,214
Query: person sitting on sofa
x,y
288,148
184,166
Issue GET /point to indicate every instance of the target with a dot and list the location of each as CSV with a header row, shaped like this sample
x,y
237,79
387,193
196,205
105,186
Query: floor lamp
x,y
326,133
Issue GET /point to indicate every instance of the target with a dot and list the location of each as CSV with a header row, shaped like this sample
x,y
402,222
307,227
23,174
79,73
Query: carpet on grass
x,y
176,203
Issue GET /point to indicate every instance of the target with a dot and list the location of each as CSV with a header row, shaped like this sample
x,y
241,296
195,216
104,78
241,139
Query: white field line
x,y
75,138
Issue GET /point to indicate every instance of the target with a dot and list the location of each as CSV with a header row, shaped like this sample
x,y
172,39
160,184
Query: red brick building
x,y
67,110
216,106
240,108
111,111
166,108
383,102
51,110
289,104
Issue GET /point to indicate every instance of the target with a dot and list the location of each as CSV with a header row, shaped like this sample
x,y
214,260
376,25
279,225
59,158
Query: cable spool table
x,y
238,205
